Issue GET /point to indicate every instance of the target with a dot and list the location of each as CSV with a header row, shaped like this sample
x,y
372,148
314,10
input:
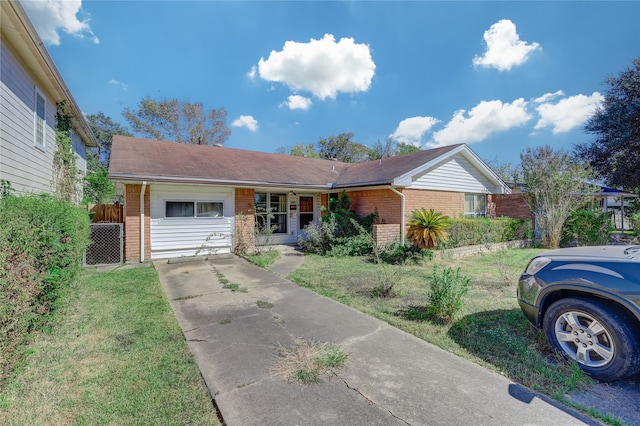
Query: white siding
x,y
26,166
457,174
175,237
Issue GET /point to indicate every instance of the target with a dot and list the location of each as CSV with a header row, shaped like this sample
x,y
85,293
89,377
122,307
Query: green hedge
x,y
468,232
41,244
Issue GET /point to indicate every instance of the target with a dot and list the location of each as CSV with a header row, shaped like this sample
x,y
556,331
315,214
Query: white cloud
x,y
252,73
322,67
297,102
484,119
49,16
504,47
119,84
246,121
548,96
568,113
411,130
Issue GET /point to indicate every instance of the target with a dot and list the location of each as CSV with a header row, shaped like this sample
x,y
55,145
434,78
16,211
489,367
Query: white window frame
x,y
475,213
42,132
269,216
195,209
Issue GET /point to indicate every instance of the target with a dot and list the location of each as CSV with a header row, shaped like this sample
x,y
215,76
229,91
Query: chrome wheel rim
x,y
584,339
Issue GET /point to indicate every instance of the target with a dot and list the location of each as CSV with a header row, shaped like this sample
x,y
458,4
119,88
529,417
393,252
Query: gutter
x,y
129,178
142,191
402,208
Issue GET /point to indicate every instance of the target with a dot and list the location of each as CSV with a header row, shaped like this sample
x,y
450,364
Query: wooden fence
x,y
107,213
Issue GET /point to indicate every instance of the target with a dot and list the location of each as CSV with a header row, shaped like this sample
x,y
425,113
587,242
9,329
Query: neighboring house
x,y
30,87
180,199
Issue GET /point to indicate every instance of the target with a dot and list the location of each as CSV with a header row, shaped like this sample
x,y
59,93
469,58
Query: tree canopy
x,y
104,128
183,122
615,152
344,148
556,184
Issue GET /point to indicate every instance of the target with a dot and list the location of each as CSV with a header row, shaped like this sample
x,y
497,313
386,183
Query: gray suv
x,y
587,302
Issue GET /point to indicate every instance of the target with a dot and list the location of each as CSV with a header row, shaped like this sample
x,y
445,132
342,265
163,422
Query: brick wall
x,y
132,223
388,203
386,233
244,220
512,205
448,203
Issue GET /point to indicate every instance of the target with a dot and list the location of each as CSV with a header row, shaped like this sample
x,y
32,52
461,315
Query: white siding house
x,y
30,87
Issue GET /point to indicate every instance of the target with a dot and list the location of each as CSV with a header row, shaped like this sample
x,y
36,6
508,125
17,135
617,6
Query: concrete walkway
x,y
390,378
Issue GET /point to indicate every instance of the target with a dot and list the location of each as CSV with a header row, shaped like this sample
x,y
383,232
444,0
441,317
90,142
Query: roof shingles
x,y
134,159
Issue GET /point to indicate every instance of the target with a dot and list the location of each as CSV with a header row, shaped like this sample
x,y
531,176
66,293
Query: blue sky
x,y
499,76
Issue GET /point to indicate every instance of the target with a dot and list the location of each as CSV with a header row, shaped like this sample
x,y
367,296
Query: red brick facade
x,y
512,205
388,203
386,233
447,203
244,220
132,223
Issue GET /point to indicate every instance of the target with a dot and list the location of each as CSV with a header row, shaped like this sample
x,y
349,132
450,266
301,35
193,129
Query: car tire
x,y
603,342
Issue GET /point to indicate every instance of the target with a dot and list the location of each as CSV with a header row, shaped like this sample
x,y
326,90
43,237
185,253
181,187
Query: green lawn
x,y
491,330
115,355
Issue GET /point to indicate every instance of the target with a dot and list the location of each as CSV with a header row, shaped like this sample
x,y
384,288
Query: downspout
x,y
142,191
401,213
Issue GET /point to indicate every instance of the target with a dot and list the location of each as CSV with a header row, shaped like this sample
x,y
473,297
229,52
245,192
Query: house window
x,y
185,209
475,205
271,212
39,120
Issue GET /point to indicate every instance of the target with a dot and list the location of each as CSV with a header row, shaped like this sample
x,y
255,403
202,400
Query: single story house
x,y
30,88
180,200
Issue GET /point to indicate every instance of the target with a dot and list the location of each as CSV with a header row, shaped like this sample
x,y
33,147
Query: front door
x,y
305,214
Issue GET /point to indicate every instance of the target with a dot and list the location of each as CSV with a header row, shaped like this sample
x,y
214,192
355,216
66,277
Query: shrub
x,y
396,253
341,231
586,228
427,228
41,244
357,245
467,232
635,222
448,287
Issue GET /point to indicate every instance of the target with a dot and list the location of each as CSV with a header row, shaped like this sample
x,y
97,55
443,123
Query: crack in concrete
x,y
355,339
369,399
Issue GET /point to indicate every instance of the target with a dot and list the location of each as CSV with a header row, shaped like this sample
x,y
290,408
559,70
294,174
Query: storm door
x,y
306,211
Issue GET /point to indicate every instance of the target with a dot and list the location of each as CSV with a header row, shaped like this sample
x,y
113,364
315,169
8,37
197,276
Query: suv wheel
x,y
602,341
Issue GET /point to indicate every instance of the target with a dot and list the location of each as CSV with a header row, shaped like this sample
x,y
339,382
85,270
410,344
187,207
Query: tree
x,y
405,148
104,128
556,184
505,171
182,122
98,188
382,150
304,150
615,153
342,148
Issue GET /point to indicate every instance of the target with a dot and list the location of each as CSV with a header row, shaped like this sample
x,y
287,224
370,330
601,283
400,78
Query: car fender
x,y
576,289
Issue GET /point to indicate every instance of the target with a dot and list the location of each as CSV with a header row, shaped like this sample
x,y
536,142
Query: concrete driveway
x,y
391,377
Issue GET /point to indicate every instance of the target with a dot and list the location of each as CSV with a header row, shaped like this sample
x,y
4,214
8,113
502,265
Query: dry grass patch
x,y
306,362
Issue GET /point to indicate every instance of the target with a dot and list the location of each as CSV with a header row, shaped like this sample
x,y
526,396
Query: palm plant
x,y
427,228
